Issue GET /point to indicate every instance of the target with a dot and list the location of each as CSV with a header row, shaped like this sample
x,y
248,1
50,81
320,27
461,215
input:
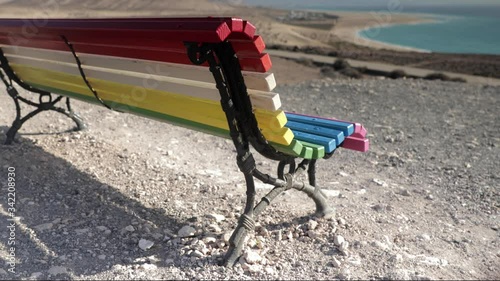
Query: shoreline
x,y
351,24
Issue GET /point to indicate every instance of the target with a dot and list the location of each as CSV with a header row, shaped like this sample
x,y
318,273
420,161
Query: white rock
x,y
57,270
35,275
424,236
336,262
380,182
129,228
380,245
338,240
227,236
269,270
148,266
209,240
44,226
145,244
81,230
101,228
252,257
217,217
214,228
331,193
279,235
186,231
312,224
344,246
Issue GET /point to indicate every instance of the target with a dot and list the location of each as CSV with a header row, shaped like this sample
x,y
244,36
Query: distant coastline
x,y
352,23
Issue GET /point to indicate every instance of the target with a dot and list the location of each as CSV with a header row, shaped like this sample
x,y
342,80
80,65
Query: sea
x,y
455,26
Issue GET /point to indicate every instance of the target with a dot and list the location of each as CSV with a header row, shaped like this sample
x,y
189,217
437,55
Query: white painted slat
x,y
260,99
253,80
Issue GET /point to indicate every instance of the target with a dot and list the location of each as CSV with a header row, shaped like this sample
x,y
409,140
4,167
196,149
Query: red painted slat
x,y
173,55
247,33
209,31
234,24
258,64
255,46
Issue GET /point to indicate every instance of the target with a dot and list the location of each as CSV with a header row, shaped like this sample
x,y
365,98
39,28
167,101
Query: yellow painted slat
x,y
197,110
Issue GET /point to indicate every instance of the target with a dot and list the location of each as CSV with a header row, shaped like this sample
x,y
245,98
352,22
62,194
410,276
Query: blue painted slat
x,y
329,143
347,128
317,130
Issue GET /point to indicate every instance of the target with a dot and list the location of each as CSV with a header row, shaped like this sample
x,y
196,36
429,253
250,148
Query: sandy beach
x,y
350,24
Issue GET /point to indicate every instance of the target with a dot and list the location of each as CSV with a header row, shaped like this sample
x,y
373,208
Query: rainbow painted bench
x,y
207,74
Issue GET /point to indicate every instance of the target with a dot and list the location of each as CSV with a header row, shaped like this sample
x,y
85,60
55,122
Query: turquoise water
x,y
480,35
460,26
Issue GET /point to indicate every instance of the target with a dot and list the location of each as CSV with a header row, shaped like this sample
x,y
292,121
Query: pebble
x,y
336,262
44,226
101,228
57,270
214,228
330,193
312,224
216,217
252,257
145,244
343,247
338,240
380,182
380,245
129,228
81,230
186,231
101,257
226,236
35,275
341,221
148,266
424,236
405,192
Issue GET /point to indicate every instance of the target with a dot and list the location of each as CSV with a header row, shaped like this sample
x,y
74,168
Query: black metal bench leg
x,y
246,223
39,107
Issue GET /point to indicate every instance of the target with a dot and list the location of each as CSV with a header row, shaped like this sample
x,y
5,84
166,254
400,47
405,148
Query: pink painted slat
x,y
358,144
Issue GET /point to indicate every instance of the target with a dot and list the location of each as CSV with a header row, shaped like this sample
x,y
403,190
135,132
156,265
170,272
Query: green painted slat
x,y
294,149
318,151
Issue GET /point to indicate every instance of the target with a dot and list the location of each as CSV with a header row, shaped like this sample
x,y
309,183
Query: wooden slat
x,y
329,143
355,143
252,47
264,100
193,30
253,63
253,80
196,110
317,130
318,151
346,128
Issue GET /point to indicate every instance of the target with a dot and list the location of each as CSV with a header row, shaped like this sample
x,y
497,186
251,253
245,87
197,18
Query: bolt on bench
x,y
205,74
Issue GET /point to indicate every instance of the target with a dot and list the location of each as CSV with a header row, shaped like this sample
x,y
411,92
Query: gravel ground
x,y
132,198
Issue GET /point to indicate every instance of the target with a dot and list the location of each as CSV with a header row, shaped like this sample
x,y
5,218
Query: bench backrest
x,y
141,66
